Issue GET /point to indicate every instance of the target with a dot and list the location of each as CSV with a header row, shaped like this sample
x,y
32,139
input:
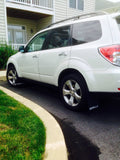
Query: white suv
x,y
80,55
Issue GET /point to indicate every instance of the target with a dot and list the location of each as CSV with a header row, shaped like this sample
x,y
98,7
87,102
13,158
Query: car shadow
x,y
108,110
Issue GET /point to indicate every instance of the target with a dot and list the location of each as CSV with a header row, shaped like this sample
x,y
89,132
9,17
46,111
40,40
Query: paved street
x,y
93,135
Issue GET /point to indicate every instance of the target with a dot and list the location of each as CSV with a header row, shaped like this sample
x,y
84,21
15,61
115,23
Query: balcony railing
x,y
16,46
37,3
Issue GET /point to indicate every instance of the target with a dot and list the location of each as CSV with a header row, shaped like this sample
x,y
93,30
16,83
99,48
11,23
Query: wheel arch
x,y
71,71
10,65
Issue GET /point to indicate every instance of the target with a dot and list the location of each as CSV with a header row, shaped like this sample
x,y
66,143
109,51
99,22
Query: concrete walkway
x,y
55,143
2,75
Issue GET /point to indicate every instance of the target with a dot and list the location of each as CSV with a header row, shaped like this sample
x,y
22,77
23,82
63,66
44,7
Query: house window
x,y
77,4
16,35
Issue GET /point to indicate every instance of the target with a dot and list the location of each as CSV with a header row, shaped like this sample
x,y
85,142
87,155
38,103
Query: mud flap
x,y
92,101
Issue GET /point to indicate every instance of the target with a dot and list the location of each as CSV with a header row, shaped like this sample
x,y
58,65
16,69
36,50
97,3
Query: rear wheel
x,y
12,76
73,91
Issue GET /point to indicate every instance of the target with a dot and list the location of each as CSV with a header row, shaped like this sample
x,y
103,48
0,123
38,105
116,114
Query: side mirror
x,y
21,49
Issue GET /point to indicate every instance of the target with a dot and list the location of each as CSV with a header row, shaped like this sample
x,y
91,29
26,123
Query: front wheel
x,y
73,92
12,77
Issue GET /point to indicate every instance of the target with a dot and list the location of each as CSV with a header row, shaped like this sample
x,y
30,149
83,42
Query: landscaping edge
x,y
2,75
55,148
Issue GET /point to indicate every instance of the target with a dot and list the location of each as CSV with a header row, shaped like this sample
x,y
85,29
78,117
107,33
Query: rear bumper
x,y
105,81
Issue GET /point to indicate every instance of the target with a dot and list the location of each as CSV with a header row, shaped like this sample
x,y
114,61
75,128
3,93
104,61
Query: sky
x,y
102,4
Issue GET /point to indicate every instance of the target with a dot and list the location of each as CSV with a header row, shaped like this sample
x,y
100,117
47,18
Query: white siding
x,y
35,26
89,5
2,21
60,9
29,24
63,11
44,22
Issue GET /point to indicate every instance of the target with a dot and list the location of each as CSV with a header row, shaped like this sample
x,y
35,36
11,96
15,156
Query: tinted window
x,y
58,37
118,22
36,43
86,32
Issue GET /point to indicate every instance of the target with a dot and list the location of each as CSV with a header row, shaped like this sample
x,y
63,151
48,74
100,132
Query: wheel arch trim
x,y
13,62
88,77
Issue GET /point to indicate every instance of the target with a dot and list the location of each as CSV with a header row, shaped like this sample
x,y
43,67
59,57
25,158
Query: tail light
x,y
111,53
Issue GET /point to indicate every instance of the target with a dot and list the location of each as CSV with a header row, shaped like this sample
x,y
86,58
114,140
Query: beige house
x,y
21,19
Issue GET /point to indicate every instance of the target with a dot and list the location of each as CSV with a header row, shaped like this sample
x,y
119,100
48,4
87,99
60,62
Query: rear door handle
x,y
63,54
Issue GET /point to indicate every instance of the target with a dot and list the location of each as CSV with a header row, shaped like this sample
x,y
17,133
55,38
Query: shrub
x,y
5,52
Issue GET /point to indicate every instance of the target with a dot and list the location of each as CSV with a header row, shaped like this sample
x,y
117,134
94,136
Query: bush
x,y
5,52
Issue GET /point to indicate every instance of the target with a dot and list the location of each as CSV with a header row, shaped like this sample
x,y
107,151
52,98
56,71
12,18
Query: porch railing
x,y
36,3
16,46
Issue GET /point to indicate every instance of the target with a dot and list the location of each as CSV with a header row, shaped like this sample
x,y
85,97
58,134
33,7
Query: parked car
x,y
80,55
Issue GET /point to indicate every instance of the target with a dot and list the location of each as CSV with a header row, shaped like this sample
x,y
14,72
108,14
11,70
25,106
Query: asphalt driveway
x,y
92,135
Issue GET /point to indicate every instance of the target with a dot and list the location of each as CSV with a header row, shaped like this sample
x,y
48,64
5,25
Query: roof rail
x,y
86,15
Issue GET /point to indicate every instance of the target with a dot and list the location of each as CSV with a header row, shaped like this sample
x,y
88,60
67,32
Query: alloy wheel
x,y
12,77
72,93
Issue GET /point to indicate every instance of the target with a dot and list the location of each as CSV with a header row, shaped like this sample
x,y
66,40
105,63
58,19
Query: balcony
x,y
34,3
21,12
37,6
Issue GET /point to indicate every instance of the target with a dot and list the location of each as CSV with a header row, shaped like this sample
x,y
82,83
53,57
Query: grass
x,y
22,133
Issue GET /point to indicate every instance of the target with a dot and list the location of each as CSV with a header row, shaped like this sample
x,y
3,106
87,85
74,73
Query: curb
x,y
3,75
2,78
55,142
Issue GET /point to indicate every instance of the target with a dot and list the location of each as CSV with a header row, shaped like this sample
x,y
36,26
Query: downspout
x,y
6,30
53,19
67,4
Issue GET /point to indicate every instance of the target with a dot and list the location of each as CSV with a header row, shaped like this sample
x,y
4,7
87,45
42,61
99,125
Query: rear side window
x,y
118,22
58,37
85,32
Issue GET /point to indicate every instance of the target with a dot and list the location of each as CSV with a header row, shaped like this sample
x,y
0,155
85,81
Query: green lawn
x,y
22,133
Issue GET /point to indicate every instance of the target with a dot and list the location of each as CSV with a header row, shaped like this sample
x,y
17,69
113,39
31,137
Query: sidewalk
x,y
55,142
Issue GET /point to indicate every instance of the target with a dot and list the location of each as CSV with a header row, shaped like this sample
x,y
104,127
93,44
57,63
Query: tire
x,y
73,92
12,77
